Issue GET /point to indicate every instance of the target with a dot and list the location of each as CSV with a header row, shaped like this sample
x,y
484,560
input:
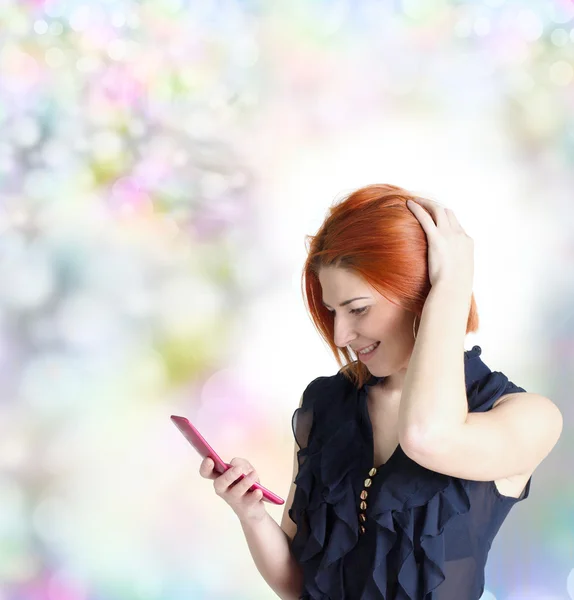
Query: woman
x,y
408,459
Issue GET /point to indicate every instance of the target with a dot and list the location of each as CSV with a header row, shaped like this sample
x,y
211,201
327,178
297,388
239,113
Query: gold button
x,y
373,471
368,482
363,505
364,495
362,529
362,517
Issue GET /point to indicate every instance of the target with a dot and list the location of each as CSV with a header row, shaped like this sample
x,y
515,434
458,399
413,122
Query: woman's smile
x,y
368,355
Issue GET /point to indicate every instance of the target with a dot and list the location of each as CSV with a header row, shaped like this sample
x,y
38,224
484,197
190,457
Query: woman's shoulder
x,y
483,385
326,388
321,407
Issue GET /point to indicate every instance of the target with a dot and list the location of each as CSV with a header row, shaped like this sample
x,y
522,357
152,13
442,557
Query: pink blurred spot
x,y
120,88
151,171
128,197
54,586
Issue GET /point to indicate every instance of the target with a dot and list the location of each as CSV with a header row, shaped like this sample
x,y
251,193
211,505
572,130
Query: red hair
x,y
372,233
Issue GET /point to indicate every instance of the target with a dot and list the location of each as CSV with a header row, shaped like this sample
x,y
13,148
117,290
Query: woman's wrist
x,y
253,523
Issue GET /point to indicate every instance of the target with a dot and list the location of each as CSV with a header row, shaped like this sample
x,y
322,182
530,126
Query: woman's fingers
x,y
229,479
242,487
234,487
207,469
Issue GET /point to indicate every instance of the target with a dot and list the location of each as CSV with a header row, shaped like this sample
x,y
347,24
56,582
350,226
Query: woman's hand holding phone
x,y
194,437
233,486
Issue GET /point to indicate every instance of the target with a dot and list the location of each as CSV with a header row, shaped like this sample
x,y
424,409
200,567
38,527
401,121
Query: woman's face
x,y
370,318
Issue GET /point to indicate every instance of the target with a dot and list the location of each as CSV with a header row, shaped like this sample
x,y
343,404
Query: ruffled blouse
x,y
415,534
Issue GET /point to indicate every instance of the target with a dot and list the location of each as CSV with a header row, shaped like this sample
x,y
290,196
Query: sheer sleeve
x,y
302,420
490,388
302,424
484,386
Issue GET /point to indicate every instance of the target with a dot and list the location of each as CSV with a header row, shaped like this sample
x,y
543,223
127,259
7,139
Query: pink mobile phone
x,y
195,438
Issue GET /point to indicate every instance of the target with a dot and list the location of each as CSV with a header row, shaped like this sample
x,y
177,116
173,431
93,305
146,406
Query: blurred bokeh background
x,y
161,162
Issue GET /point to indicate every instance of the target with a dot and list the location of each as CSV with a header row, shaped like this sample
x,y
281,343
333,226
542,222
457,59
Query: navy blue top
x,y
426,535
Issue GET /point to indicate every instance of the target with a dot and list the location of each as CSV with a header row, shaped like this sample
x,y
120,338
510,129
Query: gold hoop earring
x,y
414,334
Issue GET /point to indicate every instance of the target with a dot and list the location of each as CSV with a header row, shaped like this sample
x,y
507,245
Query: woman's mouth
x,y
368,355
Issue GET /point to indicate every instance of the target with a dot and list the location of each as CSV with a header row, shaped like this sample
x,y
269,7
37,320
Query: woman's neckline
x,y
363,396
363,399
376,379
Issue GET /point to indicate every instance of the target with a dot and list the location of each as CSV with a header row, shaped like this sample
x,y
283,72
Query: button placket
x,y
364,494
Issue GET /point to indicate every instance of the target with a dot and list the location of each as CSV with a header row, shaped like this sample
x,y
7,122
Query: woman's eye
x,y
355,311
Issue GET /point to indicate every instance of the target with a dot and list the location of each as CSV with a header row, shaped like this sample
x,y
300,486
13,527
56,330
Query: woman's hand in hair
x,y
450,248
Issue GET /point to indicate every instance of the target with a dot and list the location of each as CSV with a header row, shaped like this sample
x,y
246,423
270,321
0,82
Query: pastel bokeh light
x,y
160,164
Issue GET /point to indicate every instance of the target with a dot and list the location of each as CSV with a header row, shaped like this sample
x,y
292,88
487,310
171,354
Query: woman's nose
x,y
344,335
